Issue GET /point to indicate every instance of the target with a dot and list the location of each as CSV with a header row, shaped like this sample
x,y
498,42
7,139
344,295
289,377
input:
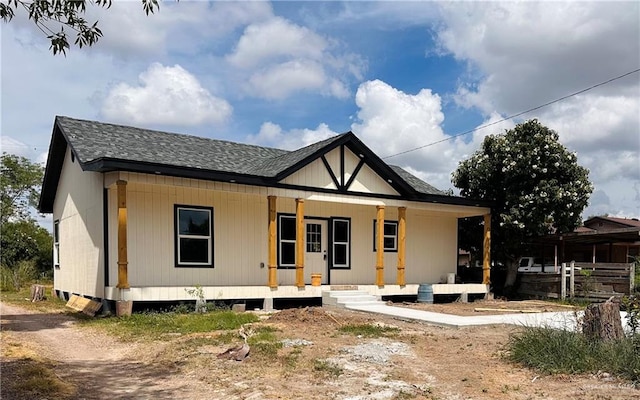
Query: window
x,y
314,237
194,236
340,243
286,241
390,236
56,244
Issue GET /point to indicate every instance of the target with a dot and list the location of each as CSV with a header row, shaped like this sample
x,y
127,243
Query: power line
x,y
515,115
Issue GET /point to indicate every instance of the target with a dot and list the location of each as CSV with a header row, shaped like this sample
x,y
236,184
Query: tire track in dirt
x,y
98,365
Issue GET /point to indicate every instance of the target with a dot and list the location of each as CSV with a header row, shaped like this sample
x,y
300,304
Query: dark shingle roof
x,y
418,184
106,147
92,141
274,165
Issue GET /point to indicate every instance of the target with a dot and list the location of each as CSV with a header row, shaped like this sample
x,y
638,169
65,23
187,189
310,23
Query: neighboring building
x,y
599,240
144,215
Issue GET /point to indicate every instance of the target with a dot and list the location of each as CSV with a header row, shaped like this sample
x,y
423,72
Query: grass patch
x,y
22,299
264,341
369,330
554,351
26,375
327,368
290,361
152,325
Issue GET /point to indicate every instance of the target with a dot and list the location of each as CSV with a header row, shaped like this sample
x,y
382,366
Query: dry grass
x,y
27,375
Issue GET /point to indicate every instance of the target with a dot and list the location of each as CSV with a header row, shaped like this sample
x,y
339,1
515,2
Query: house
x,y
605,239
142,215
598,240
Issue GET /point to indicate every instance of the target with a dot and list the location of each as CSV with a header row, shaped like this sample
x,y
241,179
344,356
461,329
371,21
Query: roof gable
x,y
340,170
609,223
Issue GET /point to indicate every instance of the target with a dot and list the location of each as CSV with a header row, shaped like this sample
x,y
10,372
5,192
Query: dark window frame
x,y
56,243
279,240
393,249
333,243
178,236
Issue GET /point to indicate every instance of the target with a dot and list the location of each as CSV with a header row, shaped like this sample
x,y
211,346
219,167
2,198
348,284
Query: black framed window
x,y
286,241
340,243
390,236
56,243
194,236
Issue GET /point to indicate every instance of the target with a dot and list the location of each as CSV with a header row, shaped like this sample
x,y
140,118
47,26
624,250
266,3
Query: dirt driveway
x,y
317,361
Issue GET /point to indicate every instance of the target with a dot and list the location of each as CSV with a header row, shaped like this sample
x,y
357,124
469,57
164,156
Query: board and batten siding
x,y
240,233
316,175
78,207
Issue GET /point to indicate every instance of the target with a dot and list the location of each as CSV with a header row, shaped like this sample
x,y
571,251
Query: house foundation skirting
x,y
178,293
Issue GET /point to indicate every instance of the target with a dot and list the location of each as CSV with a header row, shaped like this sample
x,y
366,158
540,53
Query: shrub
x,y
19,276
557,351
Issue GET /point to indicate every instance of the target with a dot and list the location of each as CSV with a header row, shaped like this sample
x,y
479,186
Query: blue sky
x,y
398,74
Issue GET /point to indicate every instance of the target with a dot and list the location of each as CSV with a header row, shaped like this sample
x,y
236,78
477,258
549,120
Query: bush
x,y
557,351
19,276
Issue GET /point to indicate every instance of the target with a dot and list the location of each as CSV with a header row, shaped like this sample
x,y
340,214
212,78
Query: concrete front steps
x,y
348,298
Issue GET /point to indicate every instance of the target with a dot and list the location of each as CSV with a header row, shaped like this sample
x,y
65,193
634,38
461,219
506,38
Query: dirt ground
x,y
489,307
317,361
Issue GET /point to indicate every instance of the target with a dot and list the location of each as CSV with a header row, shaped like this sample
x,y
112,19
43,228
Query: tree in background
x,y
25,247
535,184
20,182
52,16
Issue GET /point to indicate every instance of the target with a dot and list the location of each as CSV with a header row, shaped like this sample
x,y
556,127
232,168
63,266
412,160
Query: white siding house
x,y
143,215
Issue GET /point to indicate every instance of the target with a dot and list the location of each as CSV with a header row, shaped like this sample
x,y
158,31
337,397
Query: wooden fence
x,y
590,282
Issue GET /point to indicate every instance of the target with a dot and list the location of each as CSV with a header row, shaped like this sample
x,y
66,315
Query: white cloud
x,y
275,39
13,146
281,80
522,55
166,95
183,27
391,122
277,58
272,135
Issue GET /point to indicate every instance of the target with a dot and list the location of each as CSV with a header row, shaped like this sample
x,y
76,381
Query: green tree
x,y
535,184
21,238
52,16
20,181
26,240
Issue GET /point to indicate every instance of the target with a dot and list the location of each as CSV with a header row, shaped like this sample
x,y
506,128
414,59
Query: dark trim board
x,y
105,226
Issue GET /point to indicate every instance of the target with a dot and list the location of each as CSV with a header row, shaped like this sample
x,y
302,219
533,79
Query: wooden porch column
x,y
402,234
380,246
486,254
123,280
272,265
300,243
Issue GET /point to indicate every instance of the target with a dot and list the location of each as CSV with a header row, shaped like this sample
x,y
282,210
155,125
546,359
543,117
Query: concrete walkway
x,y
557,320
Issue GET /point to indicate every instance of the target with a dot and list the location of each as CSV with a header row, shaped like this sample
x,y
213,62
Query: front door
x,y
315,257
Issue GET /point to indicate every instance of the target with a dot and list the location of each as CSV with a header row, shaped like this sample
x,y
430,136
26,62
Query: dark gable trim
x,y
330,171
380,167
312,157
359,148
55,161
341,169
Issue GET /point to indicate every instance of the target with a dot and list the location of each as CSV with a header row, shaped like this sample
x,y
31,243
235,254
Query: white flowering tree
x,y
535,184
